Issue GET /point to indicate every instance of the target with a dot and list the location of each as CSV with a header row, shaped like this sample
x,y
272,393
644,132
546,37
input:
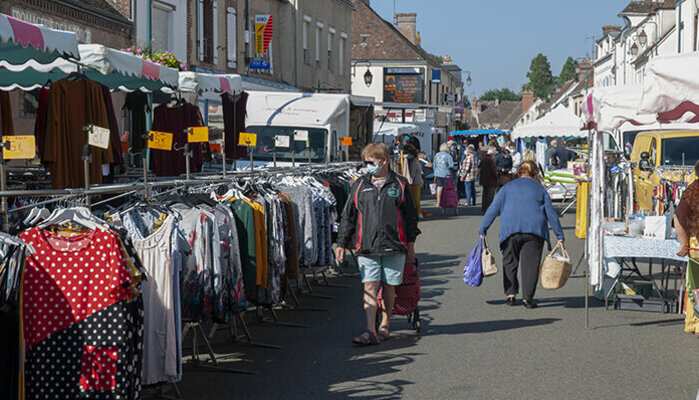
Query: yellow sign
x,y
198,134
19,147
263,33
160,140
346,141
247,139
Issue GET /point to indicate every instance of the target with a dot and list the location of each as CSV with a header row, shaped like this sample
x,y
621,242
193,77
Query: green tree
x,y
503,94
568,71
541,81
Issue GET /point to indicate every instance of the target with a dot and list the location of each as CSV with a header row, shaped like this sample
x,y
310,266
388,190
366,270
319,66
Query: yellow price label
x,y
160,140
19,147
247,139
198,134
346,141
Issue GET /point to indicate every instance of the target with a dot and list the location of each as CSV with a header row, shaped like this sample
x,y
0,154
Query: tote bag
x,y
488,261
473,271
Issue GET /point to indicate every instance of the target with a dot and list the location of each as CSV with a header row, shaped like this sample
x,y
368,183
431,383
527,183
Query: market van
x,y
662,157
308,125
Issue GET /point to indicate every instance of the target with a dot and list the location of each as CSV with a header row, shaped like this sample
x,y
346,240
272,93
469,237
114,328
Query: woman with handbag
x,y
525,211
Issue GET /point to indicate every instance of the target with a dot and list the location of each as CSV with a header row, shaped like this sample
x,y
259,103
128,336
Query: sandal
x,y
363,340
384,334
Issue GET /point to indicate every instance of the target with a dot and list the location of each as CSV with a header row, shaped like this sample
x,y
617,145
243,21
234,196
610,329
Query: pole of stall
x,y
223,153
3,187
250,154
144,159
274,152
87,158
187,155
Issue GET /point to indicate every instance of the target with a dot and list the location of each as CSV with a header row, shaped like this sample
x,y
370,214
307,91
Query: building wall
x,y
169,25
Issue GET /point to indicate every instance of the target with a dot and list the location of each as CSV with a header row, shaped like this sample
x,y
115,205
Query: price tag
x,y
98,137
198,134
19,147
301,136
160,140
282,141
346,141
247,139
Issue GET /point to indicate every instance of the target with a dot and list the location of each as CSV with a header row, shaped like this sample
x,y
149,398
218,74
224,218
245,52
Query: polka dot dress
x,y
80,329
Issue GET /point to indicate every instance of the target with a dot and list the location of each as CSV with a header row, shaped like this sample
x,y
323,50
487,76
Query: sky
x,y
496,40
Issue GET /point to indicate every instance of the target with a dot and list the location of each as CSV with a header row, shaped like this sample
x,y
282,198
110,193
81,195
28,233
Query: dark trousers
x,y
488,196
524,249
460,189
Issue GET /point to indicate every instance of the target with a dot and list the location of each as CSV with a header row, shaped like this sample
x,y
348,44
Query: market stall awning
x,y
610,107
202,82
115,69
22,43
559,122
479,132
394,129
671,88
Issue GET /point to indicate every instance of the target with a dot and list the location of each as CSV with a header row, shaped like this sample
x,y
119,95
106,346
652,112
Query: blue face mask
x,y
373,169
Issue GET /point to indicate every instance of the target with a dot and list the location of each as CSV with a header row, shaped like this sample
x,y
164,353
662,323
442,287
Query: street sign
x,y
450,97
198,134
260,64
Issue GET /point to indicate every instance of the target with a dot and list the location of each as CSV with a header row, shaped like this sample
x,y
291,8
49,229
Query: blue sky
x,y
496,40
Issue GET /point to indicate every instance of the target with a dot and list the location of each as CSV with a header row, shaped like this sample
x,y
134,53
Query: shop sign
x,y
198,134
160,140
19,147
260,64
403,85
247,139
84,35
436,76
346,141
264,29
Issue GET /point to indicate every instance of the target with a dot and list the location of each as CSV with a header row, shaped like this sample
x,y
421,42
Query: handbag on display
x,y
473,271
488,261
556,268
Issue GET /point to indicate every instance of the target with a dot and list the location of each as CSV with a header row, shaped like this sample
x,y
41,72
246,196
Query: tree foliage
x,y
568,71
503,94
541,81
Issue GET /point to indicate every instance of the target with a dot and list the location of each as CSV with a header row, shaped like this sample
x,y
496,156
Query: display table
x,y
627,251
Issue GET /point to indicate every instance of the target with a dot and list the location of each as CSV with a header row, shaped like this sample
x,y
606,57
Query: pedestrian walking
x,y
517,158
381,221
551,161
489,177
412,171
687,225
524,208
503,163
443,164
468,173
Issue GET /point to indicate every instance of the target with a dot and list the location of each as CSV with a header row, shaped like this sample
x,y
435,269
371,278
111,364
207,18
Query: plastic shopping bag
x,y
473,271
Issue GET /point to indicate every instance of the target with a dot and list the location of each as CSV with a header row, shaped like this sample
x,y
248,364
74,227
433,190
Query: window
x,y
341,53
331,36
304,35
231,37
319,31
214,14
200,30
680,151
162,21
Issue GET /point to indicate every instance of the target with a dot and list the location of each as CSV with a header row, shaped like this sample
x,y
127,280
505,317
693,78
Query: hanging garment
x,y
40,122
73,105
6,124
79,327
176,120
234,111
11,267
160,345
114,137
137,104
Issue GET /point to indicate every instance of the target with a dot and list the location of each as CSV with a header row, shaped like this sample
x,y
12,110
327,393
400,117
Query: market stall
x,y
23,44
559,122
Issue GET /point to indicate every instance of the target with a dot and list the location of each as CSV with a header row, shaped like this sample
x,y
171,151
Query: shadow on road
x,y
565,302
485,326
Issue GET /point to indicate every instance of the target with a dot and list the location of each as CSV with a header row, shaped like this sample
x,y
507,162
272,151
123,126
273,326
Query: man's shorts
x,y
441,182
387,268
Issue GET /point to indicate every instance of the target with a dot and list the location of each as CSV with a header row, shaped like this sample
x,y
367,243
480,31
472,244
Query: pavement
x,y
471,346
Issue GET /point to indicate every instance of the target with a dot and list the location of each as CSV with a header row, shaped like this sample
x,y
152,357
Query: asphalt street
x,y
471,345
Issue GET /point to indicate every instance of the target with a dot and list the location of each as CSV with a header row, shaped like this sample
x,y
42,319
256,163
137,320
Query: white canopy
x,y
23,44
610,107
559,122
295,109
113,68
394,129
671,87
201,83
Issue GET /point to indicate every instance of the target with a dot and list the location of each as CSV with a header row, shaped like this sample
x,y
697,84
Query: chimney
x,y
418,39
527,100
607,29
584,69
406,23
447,60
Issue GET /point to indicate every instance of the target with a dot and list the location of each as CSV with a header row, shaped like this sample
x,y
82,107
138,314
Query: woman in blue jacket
x,y
524,208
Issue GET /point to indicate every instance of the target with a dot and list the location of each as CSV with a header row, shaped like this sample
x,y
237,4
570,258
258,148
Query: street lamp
x,y
634,50
642,38
368,77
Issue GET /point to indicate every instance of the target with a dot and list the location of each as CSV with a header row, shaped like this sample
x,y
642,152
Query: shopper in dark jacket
x,y
381,220
489,178
525,211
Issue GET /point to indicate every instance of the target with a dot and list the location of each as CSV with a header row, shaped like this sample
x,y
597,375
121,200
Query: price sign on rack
x,y
160,140
301,136
98,137
346,141
19,147
247,139
198,134
282,141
